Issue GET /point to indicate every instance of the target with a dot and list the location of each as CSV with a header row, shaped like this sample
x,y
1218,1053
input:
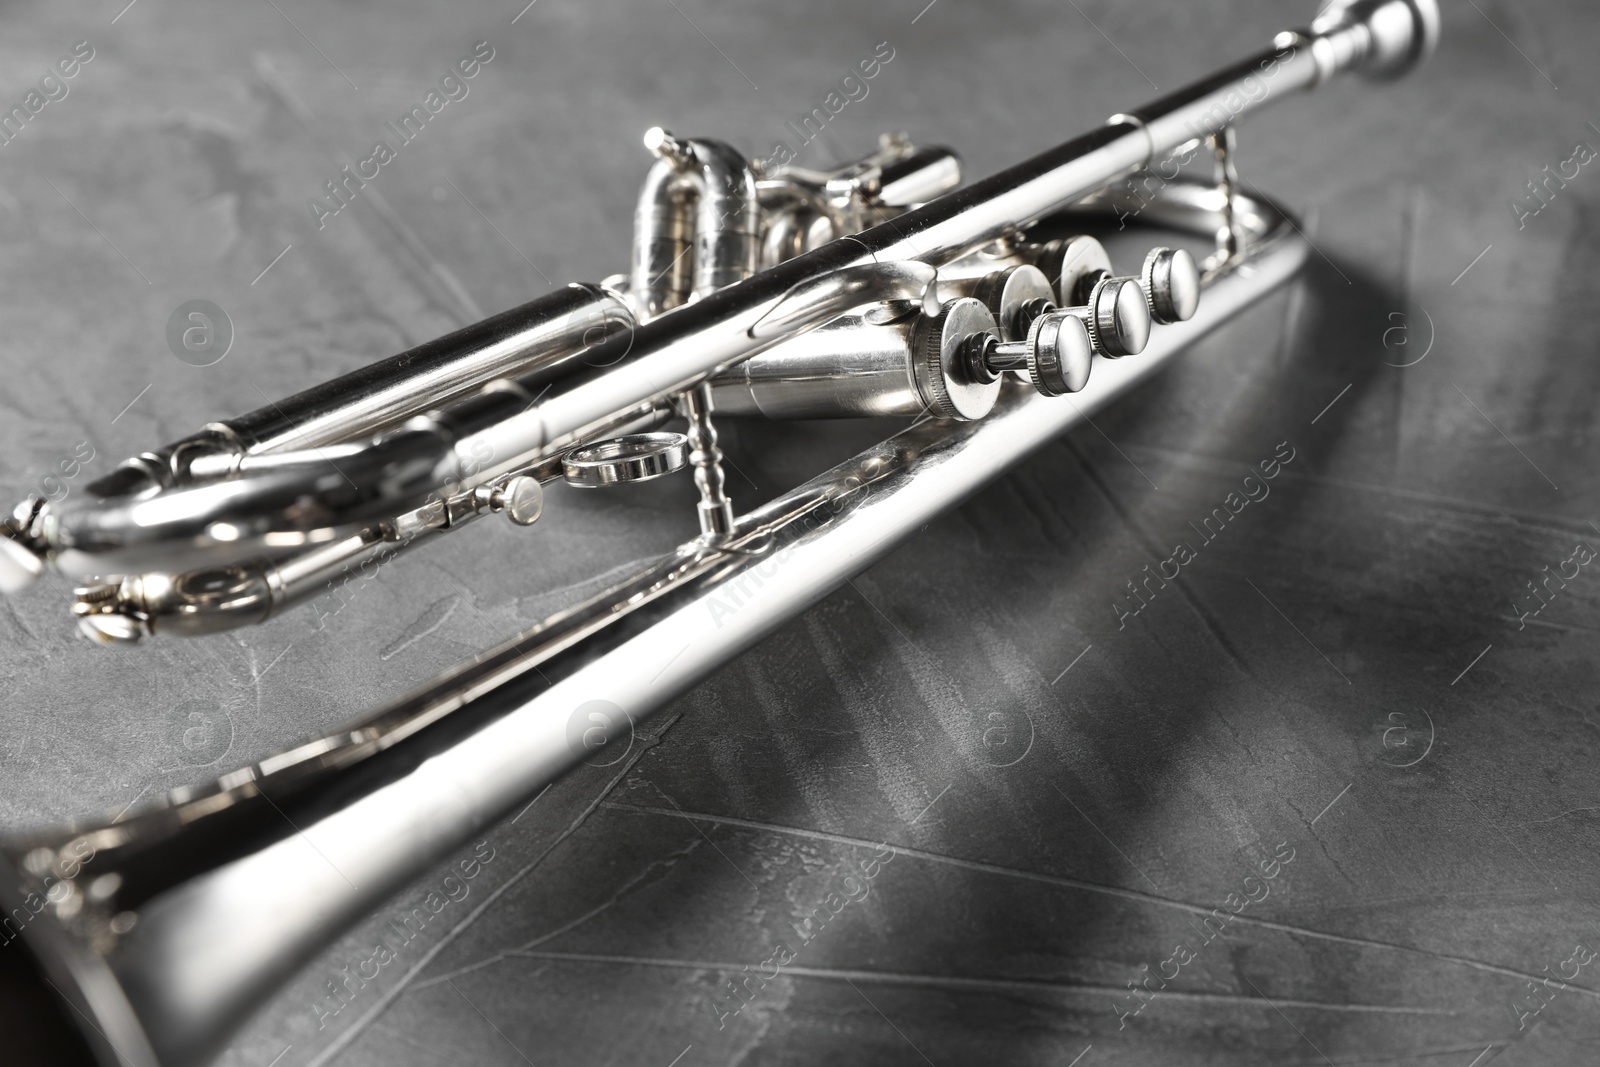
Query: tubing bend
x,y
727,219
712,182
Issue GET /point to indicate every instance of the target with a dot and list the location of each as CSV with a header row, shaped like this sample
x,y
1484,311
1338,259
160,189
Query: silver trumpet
x,y
878,288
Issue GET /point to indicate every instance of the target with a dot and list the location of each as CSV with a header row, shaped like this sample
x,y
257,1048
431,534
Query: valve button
x,y
1060,354
1171,281
1119,318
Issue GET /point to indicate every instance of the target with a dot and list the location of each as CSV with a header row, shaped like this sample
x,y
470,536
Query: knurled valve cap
x,y
1060,353
1119,318
1171,283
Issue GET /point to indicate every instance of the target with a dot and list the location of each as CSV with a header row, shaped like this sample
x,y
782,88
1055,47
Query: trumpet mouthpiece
x,y
1400,34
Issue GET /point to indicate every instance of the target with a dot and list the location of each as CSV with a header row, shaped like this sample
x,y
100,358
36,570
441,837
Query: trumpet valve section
x,y
898,359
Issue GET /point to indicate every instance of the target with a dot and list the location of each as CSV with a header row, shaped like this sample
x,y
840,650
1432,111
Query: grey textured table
x,y
1344,676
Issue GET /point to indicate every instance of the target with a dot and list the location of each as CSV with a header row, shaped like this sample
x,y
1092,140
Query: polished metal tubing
x,y
381,394
696,341
851,368
271,511
918,177
235,886
713,182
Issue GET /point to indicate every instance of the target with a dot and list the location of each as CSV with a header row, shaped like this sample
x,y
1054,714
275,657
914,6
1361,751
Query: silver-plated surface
x,y
851,368
20,565
383,394
1171,283
1015,296
715,509
1118,318
939,361
848,198
386,393
700,195
1223,149
635,458
1060,354
1395,35
313,499
1083,262
519,499
199,906
917,177
698,340
825,299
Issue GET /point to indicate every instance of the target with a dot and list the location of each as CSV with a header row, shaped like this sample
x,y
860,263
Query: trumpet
x,y
989,313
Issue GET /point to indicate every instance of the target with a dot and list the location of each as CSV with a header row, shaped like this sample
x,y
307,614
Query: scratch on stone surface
x,y
1211,625
432,617
407,1039
1410,223
526,948
16,617
1328,855
984,985
1563,815
389,996
1096,887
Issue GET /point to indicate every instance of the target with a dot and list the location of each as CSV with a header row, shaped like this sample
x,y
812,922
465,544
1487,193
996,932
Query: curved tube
x,y
311,499
713,181
826,298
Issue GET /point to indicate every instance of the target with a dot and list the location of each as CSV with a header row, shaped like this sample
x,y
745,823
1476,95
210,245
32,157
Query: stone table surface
x,y
1348,687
